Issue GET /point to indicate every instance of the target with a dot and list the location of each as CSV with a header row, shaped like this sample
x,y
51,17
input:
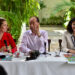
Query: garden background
x,y
54,16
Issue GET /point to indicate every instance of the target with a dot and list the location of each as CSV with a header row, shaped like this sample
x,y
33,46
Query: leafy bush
x,y
53,20
68,7
18,12
44,21
69,15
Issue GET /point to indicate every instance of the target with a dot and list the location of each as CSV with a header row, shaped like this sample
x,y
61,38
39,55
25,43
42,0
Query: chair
x,y
60,46
49,42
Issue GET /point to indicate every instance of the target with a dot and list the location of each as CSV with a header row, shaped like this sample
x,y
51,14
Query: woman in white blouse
x,y
68,41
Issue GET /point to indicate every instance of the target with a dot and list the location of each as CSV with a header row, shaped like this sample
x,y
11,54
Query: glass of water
x,y
57,53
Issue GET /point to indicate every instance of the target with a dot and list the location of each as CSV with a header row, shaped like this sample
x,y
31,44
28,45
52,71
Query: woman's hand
x,y
4,49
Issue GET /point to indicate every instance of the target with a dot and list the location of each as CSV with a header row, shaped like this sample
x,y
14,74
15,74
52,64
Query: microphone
x,y
5,42
44,48
49,41
60,46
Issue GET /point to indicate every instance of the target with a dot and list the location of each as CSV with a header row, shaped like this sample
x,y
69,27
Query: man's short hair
x,y
36,18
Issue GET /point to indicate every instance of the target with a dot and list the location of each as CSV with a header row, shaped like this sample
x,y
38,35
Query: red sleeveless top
x,y
7,36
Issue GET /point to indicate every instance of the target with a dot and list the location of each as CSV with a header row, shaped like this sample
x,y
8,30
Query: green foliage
x,y
64,6
53,20
32,9
56,20
69,7
42,5
72,9
44,21
16,12
73,0
69,15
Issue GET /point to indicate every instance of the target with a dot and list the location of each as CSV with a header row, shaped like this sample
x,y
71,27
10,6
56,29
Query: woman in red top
x,y
5,38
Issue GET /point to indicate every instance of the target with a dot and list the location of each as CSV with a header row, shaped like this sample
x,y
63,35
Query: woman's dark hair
x,y
2,71
1,21
69,27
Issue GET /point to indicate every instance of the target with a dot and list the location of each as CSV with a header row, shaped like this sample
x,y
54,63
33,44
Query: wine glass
x,y
57,52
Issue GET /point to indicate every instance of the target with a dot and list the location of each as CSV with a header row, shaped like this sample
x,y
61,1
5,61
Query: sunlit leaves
x,y
16,12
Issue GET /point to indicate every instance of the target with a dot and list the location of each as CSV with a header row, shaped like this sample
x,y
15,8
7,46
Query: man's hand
x,y
38,34
72,51
37,31
31,52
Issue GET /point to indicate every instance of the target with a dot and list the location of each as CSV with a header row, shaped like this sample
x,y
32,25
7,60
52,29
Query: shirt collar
x,y
30,32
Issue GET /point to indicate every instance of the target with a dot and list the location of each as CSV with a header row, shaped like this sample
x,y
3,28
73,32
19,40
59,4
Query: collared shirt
x,y
33,42
68,42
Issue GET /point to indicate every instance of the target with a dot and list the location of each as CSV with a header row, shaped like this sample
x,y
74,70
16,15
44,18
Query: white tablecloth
x,y
44,65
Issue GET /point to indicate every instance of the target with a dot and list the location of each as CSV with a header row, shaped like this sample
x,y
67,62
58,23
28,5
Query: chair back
x,y
60,46
49,42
